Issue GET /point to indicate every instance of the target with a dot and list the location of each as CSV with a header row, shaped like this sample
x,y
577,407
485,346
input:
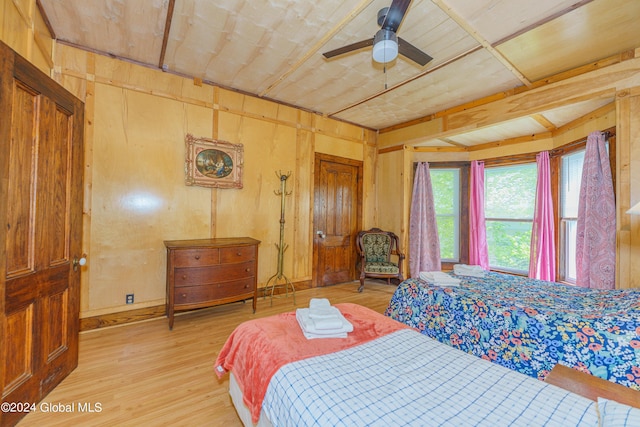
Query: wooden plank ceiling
x,y
273,49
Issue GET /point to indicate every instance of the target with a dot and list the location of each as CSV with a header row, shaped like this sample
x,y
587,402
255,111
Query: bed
x,y
384,373
529,325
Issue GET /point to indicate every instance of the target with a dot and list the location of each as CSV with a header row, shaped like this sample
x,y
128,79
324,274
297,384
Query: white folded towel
x,y
324,313
319,303
438,278
332,323
468,270
336,327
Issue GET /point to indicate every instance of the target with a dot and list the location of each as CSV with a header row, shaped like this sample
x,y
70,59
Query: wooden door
x,y
336,218
41,136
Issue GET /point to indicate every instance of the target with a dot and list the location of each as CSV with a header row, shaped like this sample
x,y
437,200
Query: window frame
x,y
527,159
463,238
555,159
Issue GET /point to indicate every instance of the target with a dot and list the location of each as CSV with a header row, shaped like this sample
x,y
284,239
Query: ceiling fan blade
x,y
395,14
413,53
349,48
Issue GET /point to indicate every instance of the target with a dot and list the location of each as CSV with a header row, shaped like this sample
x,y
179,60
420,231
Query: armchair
x,y
375,248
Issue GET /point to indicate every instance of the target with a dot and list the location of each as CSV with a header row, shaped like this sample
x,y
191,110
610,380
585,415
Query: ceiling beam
x,y
544,122
543,21
409,80
483,42
167,29
600,112
316,47
595,114
603,63
602,83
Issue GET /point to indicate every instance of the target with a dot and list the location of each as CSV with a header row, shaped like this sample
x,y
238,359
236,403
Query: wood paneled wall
x,y
628,188
23,29
137,120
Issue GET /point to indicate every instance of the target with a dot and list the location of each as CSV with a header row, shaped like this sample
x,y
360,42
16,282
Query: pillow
x,y
614,414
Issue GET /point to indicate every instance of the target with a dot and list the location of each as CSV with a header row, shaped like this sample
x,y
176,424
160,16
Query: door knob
x,y
79,262
321,234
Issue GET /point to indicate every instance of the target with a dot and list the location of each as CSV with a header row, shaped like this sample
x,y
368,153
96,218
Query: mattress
x,y
396,376
529,325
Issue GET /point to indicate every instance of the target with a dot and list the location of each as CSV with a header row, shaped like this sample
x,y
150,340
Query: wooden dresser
x,y
207,272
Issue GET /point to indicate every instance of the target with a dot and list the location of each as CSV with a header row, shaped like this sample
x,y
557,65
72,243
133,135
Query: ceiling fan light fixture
x,y
385,46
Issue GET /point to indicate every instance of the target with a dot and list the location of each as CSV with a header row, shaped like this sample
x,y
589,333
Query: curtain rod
x,y
607,134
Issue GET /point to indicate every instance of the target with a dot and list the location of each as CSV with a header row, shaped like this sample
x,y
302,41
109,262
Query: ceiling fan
x,y
386,44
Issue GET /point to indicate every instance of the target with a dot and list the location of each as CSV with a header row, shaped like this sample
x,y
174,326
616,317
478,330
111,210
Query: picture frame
x,y
213,163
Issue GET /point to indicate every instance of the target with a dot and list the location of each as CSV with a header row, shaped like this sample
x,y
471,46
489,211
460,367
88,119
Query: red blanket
x,y
256,349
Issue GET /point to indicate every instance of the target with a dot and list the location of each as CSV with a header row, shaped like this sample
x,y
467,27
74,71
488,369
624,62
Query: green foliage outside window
x,y
445,184
510,194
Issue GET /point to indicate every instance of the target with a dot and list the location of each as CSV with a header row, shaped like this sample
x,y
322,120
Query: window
x,y
510,193
445,183
450,185
570,178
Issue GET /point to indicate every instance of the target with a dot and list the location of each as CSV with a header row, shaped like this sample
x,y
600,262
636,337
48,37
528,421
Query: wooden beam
x,y
598,65
511,141
167,29
409,80
316,47
602,83
600,112
543,121
483,42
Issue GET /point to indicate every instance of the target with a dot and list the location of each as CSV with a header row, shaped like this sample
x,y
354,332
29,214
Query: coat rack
x,y
279,279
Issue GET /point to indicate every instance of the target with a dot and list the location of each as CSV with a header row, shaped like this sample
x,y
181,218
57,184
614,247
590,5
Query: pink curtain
x,y
542,264
424,244
478,251
596,225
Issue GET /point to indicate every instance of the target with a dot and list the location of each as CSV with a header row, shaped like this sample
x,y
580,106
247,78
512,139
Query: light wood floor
x,y
145,375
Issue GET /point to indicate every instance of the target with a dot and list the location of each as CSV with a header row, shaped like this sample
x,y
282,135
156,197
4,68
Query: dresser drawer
x,y
217,291
206,275
207,272
196,257
238,254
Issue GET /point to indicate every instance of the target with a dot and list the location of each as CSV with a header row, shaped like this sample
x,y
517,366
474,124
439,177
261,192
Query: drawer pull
x,y
248,269
184,276
184,295
197,256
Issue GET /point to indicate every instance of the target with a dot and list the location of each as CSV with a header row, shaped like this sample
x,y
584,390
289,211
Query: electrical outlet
x,y
129,298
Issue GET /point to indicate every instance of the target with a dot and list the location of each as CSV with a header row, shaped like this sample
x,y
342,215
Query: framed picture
x,y
213,163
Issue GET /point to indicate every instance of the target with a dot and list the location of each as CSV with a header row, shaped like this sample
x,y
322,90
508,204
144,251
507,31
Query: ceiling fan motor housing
x,y
382,13
385,46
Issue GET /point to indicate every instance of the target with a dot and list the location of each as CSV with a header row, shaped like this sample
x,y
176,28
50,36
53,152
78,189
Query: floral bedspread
x,y
529,325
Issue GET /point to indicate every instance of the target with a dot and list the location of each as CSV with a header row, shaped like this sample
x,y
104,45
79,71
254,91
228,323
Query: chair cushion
x,y
381,268
376,247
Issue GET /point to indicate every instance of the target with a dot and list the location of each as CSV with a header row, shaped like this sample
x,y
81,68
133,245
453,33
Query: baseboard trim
x,y
122,317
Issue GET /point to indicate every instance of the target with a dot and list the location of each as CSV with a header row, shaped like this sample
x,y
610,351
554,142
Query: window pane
x,y
569,245
510,195
509,244
570,184
446,235
510,191
446,198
